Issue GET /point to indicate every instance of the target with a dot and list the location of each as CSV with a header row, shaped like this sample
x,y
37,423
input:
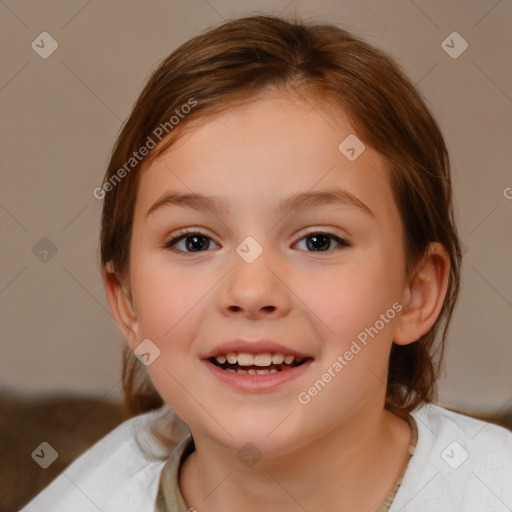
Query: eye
x,y
321,241
196,241
193,241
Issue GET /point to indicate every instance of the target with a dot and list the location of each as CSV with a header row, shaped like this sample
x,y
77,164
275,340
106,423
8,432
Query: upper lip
x,y
253,346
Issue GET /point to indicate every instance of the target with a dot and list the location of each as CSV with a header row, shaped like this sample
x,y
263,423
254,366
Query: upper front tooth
x,y
263,359
277,358
231,357
245,359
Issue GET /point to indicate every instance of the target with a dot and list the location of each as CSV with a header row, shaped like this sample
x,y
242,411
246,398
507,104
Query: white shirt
x,y
460,464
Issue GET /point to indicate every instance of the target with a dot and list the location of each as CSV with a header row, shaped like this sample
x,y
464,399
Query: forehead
x,y
266,150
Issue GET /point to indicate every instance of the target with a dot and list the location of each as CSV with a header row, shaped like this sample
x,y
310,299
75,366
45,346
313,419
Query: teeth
x,y
231,357
277,358
245,359
251,372
262,359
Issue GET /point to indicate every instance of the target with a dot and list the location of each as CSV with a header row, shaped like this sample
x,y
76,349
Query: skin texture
x,y
342,444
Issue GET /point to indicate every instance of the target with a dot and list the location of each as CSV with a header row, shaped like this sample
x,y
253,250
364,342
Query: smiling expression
x,y
269,180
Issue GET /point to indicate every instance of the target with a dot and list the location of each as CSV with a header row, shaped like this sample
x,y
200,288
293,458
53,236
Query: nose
x,y
255,290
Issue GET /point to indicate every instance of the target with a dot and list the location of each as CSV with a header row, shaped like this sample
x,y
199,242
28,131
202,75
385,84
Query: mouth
x,y
245,363
254,365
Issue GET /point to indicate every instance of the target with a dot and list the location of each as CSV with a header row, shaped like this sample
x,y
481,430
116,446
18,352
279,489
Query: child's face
x,y
315,303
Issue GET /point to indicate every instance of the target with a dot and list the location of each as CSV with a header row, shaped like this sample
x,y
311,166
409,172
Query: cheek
x,y
168,303
164,295
351,298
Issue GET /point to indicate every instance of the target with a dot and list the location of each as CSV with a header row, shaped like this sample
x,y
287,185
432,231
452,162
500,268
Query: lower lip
x,y
249,383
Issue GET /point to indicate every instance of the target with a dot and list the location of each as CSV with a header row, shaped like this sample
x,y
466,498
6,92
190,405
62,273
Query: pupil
x,y
319,242
197,244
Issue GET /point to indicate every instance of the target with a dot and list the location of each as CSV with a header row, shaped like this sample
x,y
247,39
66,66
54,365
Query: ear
x,y
121,305
423,296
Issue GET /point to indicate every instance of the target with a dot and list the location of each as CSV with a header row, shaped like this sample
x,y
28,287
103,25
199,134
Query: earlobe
x,y
121,305
424,296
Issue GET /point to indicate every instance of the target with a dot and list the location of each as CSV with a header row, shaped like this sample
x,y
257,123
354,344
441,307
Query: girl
x,y
279,252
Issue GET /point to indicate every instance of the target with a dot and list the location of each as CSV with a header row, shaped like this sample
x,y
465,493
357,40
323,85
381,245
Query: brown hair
x,y
242,58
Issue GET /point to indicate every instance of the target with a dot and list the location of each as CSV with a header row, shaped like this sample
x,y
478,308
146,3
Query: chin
x,y
263,436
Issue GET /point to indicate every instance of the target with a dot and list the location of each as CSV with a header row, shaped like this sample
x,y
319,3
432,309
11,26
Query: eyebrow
x,y
297,202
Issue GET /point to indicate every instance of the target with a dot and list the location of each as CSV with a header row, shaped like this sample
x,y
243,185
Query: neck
x,y
349,468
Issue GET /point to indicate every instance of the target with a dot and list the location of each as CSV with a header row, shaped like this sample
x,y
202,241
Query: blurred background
x,y
70,72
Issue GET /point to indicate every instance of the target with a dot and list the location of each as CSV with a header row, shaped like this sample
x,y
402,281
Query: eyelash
x,y
185,234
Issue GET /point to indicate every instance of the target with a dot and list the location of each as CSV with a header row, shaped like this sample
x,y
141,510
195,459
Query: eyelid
x,y
185,232
322,231
342,241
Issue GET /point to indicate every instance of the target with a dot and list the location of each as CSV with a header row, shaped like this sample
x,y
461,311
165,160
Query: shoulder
x,y
460,463
479,438
112,475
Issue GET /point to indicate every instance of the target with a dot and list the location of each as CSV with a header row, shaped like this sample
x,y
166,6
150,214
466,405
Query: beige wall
x,y
60,116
